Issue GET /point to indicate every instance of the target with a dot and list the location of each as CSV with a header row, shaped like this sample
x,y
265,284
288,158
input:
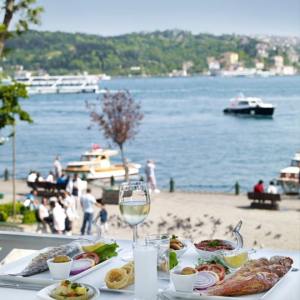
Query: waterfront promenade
x,y
203,215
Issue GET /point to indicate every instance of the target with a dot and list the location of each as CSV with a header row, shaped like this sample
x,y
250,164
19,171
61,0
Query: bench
x,y
45,188
259,200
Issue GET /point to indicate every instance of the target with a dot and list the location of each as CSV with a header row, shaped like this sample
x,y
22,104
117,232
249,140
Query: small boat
x,y
95,164
251,106
289,177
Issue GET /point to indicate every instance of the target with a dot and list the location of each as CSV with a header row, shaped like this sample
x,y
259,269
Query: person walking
x,y
150,176
74,188
87,202
71,212
43,215
57,167
102,217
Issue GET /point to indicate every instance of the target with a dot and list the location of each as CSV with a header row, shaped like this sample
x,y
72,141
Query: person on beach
x,y
272,189
50,177
71,213
259,187
87,202
74,188
57,167
43,215
59,217
150,176
102,217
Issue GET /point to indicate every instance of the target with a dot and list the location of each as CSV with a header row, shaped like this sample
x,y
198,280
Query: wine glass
x,y
134,204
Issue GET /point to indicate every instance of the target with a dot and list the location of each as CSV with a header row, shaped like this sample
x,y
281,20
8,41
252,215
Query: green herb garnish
x,y
214,243
173,261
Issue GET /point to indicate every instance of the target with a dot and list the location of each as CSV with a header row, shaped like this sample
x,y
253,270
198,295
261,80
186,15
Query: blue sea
x,y
184,131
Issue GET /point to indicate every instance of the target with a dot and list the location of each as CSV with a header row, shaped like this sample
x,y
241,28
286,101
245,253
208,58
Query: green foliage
x,y
3,216
10,106
155,53
29,217
7,208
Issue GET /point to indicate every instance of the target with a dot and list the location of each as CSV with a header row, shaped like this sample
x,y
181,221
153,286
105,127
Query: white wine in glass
x,y
134,203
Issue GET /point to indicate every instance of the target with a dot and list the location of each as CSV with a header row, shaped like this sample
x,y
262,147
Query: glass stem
x,y
135,233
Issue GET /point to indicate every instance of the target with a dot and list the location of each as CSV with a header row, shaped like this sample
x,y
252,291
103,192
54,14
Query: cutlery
x,y
21,286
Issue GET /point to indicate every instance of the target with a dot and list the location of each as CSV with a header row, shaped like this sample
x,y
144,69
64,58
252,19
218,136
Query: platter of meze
x,y
203,269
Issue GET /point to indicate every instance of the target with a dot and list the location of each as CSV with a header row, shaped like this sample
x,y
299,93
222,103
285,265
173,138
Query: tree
x,y
118,118
10,108
27,13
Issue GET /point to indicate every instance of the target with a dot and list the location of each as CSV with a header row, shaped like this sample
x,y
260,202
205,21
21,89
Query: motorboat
x,y
47,84
251,106
96,164
290,177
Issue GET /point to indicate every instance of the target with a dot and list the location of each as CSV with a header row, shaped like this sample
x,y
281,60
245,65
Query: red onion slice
x,y
205,279
81,265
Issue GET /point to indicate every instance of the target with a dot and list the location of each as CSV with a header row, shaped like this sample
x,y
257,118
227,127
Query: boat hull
x,y
103,173
251,111
289,187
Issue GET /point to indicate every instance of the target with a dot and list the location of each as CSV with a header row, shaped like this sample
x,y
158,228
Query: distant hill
x,y
155,53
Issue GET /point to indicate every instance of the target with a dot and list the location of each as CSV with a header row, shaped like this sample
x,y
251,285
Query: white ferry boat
x,y
290,176
47,84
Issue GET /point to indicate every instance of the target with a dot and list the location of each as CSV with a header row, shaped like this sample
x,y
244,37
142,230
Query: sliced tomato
x,y
90,255
216,268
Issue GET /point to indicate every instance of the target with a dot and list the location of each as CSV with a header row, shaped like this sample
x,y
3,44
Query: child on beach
x,y
102,216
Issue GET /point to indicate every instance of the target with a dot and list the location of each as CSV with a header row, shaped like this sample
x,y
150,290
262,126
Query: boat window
x,y
295,163
243,103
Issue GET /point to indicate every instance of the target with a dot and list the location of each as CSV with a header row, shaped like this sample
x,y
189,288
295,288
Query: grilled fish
x,y
39,263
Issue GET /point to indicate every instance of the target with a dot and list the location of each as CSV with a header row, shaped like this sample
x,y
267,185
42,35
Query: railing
x,y
20,240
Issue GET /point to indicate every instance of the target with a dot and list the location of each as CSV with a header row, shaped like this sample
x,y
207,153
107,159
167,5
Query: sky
x,y
115,17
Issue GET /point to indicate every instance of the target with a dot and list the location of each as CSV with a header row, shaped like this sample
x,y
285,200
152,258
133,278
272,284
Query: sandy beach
x,y
198,216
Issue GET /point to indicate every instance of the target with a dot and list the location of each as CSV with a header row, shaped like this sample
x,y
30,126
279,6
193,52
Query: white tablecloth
x,y
288,289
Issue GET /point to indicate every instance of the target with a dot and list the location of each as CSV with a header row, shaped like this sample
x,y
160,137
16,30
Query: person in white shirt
x,y
59,218
87,202
31,177
272,189
70,207
50,177
43,214
57,167
150,176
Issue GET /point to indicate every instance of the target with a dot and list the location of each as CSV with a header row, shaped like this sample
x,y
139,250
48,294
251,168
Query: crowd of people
x,y
58,213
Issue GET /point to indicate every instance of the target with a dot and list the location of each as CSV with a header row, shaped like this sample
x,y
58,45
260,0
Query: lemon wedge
x,y
236,260
93,247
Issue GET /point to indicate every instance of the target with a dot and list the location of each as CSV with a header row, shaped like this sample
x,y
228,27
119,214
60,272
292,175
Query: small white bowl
x,y
183,283
59,270
181,251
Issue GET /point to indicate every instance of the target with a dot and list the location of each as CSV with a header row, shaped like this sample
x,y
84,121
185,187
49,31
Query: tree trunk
x,y
125,163
8,15
14,171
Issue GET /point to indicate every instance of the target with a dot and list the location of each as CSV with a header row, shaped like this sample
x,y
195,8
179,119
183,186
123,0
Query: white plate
x,y
128,290
43,278
44,294
171,292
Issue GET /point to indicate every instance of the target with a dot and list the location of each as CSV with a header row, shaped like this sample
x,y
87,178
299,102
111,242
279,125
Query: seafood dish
x,y
256,276
214,245
83,257
39,263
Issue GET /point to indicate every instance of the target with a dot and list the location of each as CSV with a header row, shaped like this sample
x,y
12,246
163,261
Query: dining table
x,y
288,287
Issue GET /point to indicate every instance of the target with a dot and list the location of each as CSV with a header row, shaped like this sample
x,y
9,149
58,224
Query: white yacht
x,y
290,176
47,84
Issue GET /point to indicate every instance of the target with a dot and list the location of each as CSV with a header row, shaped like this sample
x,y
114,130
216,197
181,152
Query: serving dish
x,y
42,279
44,294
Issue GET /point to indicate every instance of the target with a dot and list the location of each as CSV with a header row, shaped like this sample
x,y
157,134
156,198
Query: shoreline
x,y
201,215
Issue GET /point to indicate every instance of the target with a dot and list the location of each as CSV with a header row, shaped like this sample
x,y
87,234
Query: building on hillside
x,y
259,65
214,66
278,61
289,71
230,59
